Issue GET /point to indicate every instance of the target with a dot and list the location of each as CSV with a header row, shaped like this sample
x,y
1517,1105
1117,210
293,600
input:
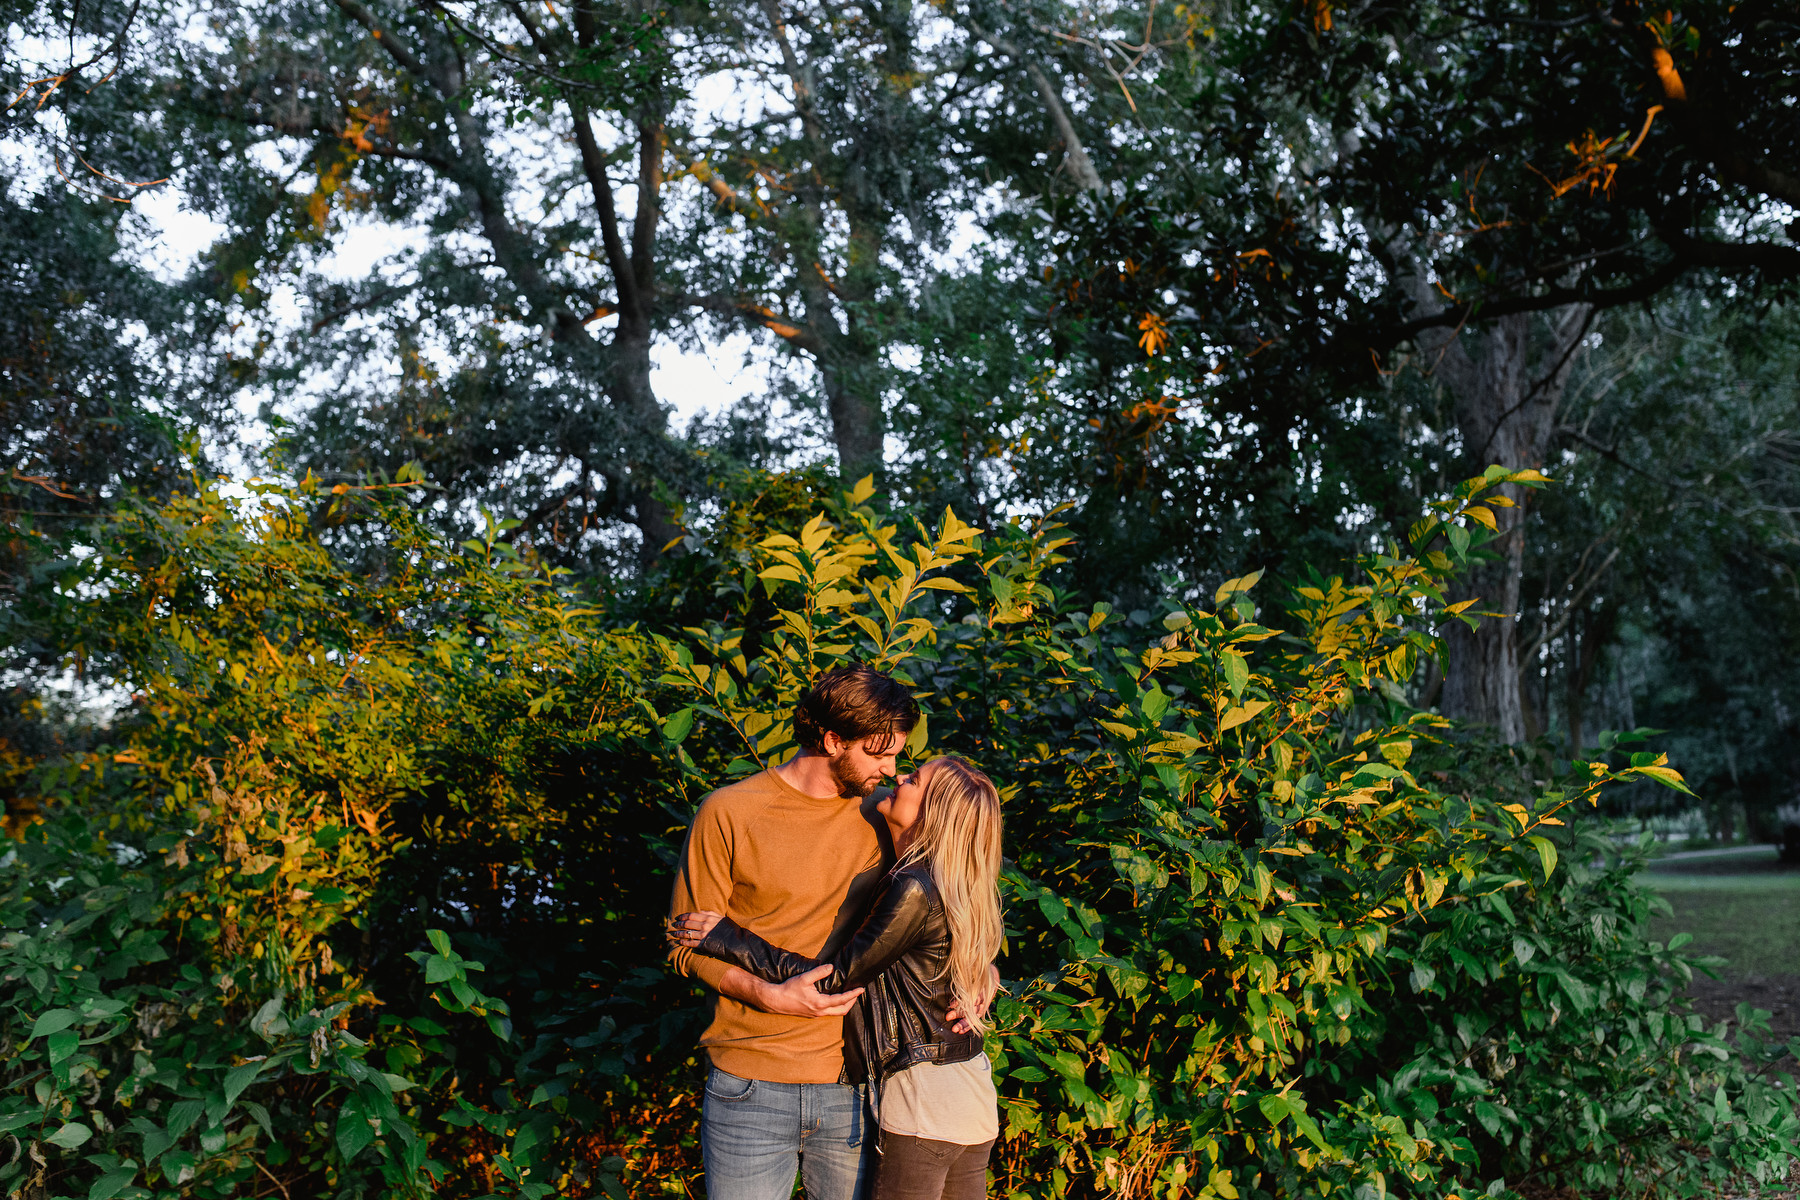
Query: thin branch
x,y
396,49
1573,606
787,328
1081,167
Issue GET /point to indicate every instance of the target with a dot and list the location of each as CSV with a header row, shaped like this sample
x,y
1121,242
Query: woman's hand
x,y
690,929
958,1023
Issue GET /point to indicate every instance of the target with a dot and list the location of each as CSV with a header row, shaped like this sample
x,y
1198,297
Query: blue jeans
x,y
756,1136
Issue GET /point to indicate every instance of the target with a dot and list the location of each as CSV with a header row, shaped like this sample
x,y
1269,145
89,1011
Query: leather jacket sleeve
x,y
889,931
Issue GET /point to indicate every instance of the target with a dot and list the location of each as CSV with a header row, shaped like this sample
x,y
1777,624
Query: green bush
x,y
361,896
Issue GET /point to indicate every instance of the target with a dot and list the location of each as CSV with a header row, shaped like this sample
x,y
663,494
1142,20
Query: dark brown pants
x,y
920,1169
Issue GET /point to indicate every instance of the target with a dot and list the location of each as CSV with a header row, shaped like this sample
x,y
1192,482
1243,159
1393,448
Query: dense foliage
x,y
1241,284
360,896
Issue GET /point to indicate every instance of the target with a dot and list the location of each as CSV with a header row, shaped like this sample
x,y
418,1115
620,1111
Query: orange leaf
x,y
1665,71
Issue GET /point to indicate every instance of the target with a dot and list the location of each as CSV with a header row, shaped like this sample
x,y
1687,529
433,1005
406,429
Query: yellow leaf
x,y
1241,584
1234,717
816,533
1667,776
1482,516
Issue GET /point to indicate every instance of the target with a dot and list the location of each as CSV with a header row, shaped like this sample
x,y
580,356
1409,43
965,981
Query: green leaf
x,y
1278,1108
440,941
182,1115
1237,671
1546,854
1003,589
1579,993
268,1023
1490,1118
156,1140
112,1183
70,1136
239,1078
260,1115
1275,1108
679,725
62,1044
354,1133
54,1021
1307,1126
439,969
1155,703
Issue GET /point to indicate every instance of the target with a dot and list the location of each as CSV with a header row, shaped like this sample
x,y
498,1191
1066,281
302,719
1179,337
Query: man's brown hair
x,y
853,702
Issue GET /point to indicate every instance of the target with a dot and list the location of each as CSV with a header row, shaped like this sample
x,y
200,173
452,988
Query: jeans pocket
x,y
721,1085
859,1120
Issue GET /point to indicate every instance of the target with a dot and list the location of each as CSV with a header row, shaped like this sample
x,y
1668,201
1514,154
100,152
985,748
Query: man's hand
x,y
957,1024
795,998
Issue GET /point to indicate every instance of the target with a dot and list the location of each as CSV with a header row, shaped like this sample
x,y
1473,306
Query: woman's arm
x,y
892,928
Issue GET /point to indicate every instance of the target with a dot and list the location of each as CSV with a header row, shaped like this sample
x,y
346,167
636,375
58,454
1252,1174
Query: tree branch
x,y
1081,167
593,165
796,335
649,196
396,49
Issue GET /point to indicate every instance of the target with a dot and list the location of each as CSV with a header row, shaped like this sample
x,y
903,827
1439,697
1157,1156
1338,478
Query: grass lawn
x,y
1744,907
1752,923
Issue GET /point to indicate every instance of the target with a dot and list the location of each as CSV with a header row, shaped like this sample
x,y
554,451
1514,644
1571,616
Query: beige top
x,y
796,870
943,1102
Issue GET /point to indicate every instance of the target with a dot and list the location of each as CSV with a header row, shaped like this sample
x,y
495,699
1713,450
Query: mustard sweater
x,y
796,870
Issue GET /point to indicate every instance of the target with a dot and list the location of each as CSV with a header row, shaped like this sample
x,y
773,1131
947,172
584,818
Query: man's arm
x,y
795,998
704,882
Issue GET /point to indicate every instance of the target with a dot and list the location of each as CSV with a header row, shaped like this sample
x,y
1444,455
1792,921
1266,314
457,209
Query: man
x,y
794,854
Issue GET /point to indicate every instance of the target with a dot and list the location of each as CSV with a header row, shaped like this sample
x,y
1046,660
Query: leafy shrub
x,y
362,897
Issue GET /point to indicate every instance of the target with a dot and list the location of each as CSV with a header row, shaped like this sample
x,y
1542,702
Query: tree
x,y
405,113
1344,194
1659,576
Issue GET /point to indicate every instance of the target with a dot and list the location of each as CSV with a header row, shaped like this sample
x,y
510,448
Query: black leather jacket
x,y
900,957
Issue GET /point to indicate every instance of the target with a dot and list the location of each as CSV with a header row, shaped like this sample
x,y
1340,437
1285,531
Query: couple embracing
x,y
850,935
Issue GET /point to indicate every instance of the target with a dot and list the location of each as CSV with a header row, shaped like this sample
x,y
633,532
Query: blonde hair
x,y
957,837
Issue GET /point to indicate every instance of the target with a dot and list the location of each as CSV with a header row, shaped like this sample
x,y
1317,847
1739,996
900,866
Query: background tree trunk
x,y
1507,386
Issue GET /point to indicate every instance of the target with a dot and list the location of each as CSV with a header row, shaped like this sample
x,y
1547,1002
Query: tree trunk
x,y
1506,399
856,417
464,161
851,362
630,391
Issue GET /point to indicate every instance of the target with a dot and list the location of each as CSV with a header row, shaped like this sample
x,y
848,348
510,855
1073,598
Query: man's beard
x,y
850,785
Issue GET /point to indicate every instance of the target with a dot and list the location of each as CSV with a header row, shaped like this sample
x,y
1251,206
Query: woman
x,y
924,950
